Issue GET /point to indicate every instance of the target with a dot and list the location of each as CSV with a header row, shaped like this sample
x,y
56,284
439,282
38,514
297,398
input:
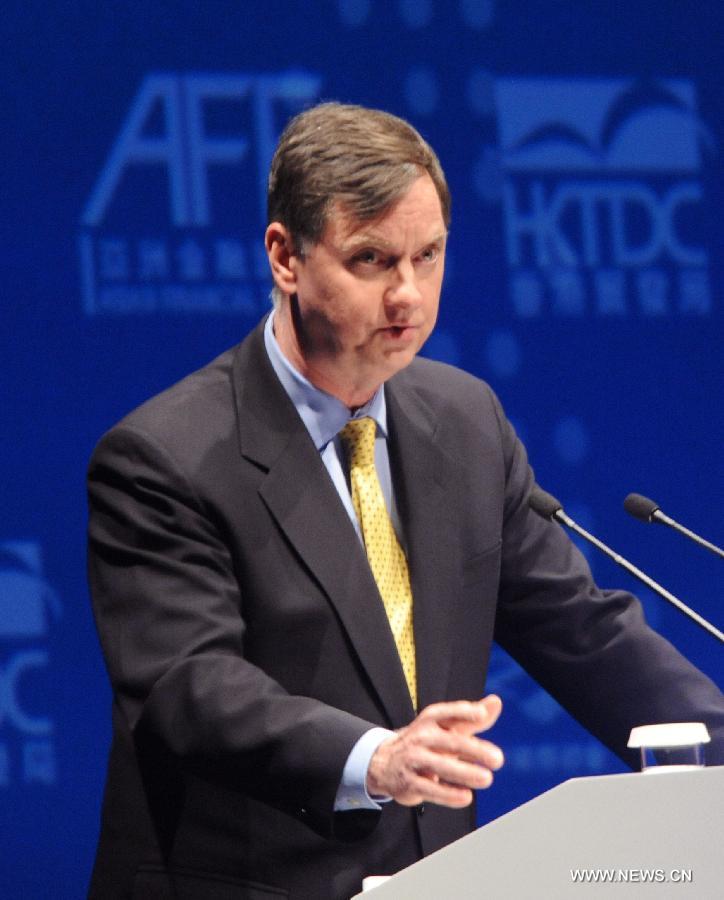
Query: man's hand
x,y
437,758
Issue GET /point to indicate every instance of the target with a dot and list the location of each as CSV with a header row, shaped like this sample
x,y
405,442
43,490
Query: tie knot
x,y
358,436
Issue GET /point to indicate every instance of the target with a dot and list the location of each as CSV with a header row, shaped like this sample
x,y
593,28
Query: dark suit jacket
x,y
248,648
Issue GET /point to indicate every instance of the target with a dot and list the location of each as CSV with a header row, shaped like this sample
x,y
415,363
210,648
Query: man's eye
x,y
430,254
368,257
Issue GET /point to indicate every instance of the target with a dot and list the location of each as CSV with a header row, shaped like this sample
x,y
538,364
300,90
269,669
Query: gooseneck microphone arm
x,y
647,510
548,507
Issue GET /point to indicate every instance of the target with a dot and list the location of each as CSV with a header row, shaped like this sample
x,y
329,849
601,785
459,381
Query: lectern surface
x,y
657,835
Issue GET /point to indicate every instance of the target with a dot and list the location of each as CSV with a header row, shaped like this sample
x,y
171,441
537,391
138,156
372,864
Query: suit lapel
x,y
419,468
302,499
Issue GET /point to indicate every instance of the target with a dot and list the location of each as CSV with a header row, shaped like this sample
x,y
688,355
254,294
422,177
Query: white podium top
x,y
654,837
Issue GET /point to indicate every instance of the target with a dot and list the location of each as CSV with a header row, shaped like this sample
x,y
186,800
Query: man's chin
x,y
398,358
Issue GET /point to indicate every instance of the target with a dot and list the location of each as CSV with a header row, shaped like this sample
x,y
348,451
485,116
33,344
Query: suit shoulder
x,y
193,409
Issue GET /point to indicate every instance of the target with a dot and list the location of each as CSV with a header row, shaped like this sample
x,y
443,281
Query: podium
x,y
658,835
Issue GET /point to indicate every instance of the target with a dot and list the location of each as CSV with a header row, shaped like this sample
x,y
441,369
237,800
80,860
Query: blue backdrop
x,y
583,145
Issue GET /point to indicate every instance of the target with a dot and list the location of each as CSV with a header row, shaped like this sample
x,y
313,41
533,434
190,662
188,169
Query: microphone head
x,y
543,503
640,507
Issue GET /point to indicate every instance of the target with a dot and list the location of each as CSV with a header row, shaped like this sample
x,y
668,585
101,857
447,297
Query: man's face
x,y
368,295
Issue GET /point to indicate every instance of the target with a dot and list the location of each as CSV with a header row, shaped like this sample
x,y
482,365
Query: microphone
x,y
648,511
549,508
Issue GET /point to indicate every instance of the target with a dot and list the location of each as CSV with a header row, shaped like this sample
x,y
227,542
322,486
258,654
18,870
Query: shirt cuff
x,y
352,790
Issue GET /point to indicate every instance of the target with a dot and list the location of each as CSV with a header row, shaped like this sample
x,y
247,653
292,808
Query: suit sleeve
x,y
169,612
590,648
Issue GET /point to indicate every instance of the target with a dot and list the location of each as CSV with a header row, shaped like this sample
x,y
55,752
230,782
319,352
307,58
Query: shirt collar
x,y
323,414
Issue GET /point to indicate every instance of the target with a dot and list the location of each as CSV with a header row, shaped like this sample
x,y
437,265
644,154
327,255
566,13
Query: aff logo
x,y
176,217
602,200
28,607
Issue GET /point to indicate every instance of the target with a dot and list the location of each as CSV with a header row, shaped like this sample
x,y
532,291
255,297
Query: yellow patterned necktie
x,y
384,553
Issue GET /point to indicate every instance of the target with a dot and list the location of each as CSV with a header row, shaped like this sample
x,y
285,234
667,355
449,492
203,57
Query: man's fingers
x,y
487,754
473,716
451,783
450,743
442,794
452,770
466,747
494,706
424,789
438,758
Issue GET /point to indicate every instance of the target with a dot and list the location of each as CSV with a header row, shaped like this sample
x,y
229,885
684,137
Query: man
x,y
299,556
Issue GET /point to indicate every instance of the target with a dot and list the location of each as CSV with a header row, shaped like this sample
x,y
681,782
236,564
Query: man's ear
x,y
282,258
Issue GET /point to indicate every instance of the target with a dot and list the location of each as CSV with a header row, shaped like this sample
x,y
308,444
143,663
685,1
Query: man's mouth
x,y
400,331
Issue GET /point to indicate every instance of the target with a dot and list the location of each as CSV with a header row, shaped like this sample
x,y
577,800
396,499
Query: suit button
x,y
420,809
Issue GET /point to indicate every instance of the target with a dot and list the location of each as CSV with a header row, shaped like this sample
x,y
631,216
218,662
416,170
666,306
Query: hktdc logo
x,y
28,606
602,203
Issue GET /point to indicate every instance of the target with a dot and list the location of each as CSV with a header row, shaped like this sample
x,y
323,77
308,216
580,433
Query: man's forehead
x,y
347,231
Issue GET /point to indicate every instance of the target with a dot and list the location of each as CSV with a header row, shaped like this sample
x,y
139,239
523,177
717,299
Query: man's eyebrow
x,y
360,240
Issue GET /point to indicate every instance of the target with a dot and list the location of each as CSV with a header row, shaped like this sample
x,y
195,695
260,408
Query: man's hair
x,y
363,159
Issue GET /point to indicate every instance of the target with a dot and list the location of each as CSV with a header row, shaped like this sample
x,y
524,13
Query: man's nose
x,y
403,291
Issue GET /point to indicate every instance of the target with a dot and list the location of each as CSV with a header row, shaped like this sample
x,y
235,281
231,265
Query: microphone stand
x,y
546,506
